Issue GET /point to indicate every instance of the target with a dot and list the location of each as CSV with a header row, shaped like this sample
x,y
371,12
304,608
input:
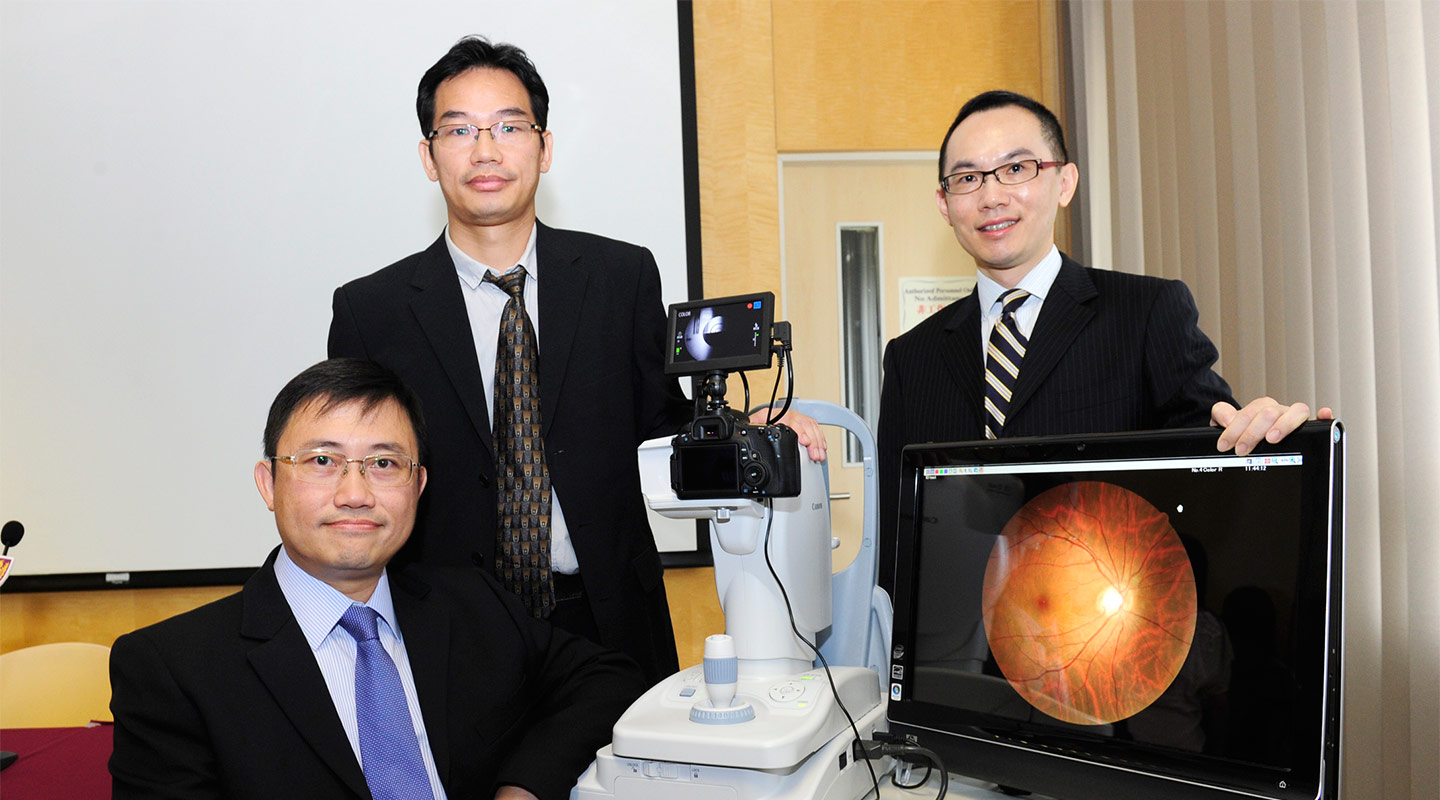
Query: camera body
x,y
724,455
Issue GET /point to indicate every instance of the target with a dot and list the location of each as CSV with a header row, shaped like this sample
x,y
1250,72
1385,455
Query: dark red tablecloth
x,y
56,763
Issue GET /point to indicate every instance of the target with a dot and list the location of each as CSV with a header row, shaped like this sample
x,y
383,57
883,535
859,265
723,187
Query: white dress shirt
x,y
318,607
485,303
1037,283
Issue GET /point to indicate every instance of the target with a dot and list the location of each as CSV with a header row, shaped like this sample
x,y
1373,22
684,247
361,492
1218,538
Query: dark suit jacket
x,y
1110,352
227,700
603,392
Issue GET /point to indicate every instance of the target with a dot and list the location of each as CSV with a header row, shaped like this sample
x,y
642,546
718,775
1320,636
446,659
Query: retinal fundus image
x,y
1089,602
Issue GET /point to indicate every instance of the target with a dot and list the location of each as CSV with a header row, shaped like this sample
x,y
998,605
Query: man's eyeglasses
x,y
325,468
506,133
1008,174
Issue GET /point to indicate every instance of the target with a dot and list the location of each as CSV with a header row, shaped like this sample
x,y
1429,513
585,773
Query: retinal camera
x,y
720,453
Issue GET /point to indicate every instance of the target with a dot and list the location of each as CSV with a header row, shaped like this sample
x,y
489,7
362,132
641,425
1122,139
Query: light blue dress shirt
x,y
318,606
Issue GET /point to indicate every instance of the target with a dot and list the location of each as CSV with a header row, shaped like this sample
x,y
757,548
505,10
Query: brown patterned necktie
x,y
522,553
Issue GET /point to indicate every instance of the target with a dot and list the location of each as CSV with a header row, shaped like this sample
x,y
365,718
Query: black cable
x,y
769,521
789,379
885,744
744,381
775,392
933,759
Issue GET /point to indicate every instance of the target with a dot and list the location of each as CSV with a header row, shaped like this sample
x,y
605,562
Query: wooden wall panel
x,y
887,75
694,610
735,122
31,618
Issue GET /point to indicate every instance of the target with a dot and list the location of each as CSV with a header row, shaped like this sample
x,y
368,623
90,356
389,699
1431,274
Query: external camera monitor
x,y
1126,615
728,333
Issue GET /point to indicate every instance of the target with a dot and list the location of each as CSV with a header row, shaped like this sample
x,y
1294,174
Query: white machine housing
x,y
788,738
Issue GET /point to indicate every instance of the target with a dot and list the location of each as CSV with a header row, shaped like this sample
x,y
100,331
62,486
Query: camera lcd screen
x,y
727,333
708,470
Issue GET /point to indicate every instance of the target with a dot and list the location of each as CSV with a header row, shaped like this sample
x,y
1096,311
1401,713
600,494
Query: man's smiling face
x,y
346,532
1006,229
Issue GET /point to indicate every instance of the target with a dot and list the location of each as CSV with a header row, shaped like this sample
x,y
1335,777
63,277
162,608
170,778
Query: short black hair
x,y
985,101
339,381
476,52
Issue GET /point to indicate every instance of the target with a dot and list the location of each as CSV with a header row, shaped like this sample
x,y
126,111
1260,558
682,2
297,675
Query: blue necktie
x,y
389,748
1002,362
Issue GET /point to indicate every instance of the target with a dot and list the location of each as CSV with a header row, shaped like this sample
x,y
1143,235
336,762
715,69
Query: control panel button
x,y
786,692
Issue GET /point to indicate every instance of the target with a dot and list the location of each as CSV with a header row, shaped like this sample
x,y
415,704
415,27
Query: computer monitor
x,y
1124,615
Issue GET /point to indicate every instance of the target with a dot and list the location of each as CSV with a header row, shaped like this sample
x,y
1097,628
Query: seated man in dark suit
x,y
328,676
1044,345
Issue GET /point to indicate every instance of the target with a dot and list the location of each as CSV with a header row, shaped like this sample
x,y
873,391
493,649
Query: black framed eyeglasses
x,y
1008,174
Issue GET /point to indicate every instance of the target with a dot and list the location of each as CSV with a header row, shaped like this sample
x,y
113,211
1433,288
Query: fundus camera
x,y
720,454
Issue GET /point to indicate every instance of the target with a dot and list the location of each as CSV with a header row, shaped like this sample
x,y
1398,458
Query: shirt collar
x,y
472,272
318,606
1037,282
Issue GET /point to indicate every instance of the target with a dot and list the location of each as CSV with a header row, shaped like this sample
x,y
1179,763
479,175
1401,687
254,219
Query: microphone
x,y
10,535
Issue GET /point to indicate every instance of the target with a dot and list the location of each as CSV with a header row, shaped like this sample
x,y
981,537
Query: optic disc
x,y
1089,602
1111,600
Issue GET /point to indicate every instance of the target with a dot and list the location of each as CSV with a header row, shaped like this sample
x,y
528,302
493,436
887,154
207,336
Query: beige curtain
x,y
1282,158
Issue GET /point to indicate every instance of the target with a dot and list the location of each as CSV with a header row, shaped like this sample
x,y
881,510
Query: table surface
x,y
961,788
58,762
72,763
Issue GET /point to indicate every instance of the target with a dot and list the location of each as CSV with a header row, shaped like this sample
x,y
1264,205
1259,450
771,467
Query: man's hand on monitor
x,y
1262,418
807,430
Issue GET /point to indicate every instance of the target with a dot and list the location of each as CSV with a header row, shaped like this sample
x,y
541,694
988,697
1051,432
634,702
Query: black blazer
x,y
227,700
603,392
1110,352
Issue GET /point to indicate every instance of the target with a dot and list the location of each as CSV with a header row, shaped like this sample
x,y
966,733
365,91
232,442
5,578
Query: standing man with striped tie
x,y
1044,345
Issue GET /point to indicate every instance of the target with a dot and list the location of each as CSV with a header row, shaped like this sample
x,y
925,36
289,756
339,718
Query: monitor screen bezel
x,y
1064,766
760,359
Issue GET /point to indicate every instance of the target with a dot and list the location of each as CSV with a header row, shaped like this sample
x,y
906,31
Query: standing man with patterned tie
x,y
334,675
539,354
1044,345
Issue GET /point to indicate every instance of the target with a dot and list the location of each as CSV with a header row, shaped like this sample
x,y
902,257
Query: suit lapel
x,y
1062,317
426,628
562,295
439,308
960,350
286,666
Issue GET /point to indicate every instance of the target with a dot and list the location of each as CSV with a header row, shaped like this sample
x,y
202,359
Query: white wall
x,y
183,185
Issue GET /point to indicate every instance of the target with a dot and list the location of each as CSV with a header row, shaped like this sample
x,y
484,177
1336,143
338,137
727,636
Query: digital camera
x,y
724,455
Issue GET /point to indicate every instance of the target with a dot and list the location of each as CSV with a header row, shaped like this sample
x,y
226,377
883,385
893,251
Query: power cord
x,y
782,350
769,521
886,744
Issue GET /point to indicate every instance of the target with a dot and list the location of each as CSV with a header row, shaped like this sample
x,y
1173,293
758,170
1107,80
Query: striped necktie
x,y
522,553
389,749
1002,362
